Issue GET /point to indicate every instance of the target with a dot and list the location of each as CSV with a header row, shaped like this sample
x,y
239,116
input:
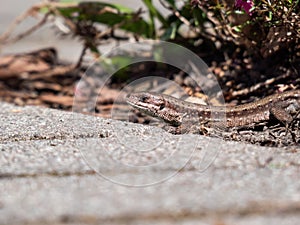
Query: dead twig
x,y
33,11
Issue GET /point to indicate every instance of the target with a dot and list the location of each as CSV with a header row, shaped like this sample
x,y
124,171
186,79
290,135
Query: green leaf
x,y
108,14
172,3
152,22
170,32
199,17
154,12
117,63
237,28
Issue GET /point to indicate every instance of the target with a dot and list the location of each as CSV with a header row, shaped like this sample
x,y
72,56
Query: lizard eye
x,y
144,98
162,106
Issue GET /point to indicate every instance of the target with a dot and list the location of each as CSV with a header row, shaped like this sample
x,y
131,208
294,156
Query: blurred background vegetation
x,y
249,45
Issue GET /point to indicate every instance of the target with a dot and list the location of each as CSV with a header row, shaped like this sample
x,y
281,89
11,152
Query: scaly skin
x,y
175,111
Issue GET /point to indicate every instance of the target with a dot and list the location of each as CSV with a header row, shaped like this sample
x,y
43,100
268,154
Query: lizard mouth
x,y
141,106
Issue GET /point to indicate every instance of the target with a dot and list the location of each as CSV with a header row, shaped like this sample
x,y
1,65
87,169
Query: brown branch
x,y
15,23
30,12
180,17
30,30
82,54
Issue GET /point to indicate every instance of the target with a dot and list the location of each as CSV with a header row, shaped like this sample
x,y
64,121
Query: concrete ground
x,y
66,168
59,167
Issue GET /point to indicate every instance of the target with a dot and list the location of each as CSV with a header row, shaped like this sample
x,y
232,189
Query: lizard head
x,y
155,105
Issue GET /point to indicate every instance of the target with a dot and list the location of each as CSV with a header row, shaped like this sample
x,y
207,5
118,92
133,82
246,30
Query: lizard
x,y
176,112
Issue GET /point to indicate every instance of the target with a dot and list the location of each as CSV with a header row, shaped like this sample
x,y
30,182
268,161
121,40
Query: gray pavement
x,y
66,168
59,167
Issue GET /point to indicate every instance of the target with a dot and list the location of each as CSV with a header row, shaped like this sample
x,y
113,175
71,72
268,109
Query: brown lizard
x,y
176,112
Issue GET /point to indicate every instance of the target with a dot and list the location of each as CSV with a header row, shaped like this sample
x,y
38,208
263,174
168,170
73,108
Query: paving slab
x,y
61,167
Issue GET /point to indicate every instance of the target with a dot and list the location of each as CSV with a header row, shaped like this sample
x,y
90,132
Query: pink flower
x,y
246,5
